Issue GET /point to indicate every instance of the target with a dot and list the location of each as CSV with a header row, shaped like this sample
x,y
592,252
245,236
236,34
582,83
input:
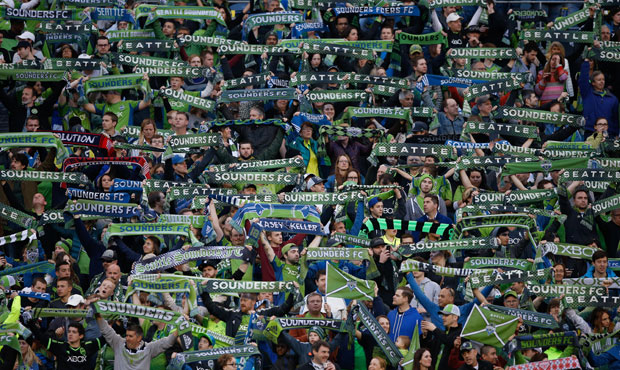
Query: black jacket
x,y
233,318
482,365
18,113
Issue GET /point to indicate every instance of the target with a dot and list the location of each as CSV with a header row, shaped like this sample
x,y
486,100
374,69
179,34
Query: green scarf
x,y
16,216
180,256
544,166
258,165
444,3
196,191
116,82
155,45
407,250
483,53
484,75
526,114
491,277
501,129
376,45
363,112
591,175
240,286
537,319
147,229
494,87
569,250
510,263
383,340
256,80
250,49
352,240
557,290
282,178
36,139
194,140
413,265
345,51
605,205
561,36
337,96
272,19
257,95
118,35
199,13
40,15
426,39
144,61
44,176
426,227
580,16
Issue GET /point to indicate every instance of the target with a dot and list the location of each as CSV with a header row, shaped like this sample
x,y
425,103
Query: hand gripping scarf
x,y
264,210
153,13
180,256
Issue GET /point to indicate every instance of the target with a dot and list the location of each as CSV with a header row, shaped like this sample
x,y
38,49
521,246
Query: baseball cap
x,y
75,300
482,99
177,159
511,292
450,310
248,186
27,35
473,29
109,255
7,281
466,346
314,181
287,247
453,17
373,201
84,56
419,126
332,242
375,242
415,49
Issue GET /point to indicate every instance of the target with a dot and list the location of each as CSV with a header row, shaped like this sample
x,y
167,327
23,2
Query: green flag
x,y
407,363
342,285
489,327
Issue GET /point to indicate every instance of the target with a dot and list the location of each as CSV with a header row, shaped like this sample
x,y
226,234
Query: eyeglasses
x,y
602,124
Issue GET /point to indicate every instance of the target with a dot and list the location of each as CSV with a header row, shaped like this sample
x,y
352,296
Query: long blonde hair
x,y
30,357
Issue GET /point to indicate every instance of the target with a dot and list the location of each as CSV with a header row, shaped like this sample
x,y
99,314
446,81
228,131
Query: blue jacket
x,y
610,272
298,144
596,104
405,324
611,358
433,309
441,218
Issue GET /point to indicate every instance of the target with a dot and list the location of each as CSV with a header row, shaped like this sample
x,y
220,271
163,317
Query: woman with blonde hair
x,y
29,361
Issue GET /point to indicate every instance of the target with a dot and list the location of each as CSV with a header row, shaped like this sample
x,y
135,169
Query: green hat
x,y
450,310
287,247
319,331
512,293
66,244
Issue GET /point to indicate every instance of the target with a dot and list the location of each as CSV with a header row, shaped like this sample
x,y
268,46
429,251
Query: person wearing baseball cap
x,y
456,38
450,315
470,357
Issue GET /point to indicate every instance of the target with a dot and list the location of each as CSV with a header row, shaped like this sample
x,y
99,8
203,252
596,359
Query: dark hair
x,y
530,46
103,38
386,179
417,357
595,319
79,327
407,292
598,255
21,158
433,197
38,279
241,142
154,196
156,243
223,359
112,116
67,279
136,329
316,346
61,263
319,274
33,117
486,349
415,60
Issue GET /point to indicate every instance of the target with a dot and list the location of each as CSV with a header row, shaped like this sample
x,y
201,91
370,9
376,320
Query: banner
x,y
71,63
74,193
345,51
605,205
562,339
537,319
181,256
44,176
376,45
32,75
153,45
347,77
386,11
84,139
569,250
257,95
255,80
533,115
353,240
426,39
144,61
77,162
118,35
497,278
196,190
258,165
592,175
501,129
153,13
555,290
489,327
383,340
266,210
495,87
194,141
482,53
18,237
97,208
113,82
271,19
148,229
343,285
213,354
322,198
486,262
16,216
39,15
242,286
443,3
545,166
447,245
580,16
398,149
282,178
561,36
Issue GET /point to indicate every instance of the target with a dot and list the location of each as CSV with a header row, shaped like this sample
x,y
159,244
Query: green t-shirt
x,y
124,109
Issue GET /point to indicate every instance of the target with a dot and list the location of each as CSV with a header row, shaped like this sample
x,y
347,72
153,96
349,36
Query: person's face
x,y
600,265
158,143
314,304
195,62
23,346
387,34
320,283
445,298
107,289
353,35
318,188
473,39
66,53
148,131
449,320
64,271
329,111
73,335
374,365
605,320
504,238
204,344
599,82
176,83
107,123
292,256
63,289
426,359
532,101
385,324
382,169
398,298
208,60
27,96
377,210
429,206
103,46
23,52
352,176
511,302
343,163
555,61
122,25
470,357
581,200
530,56
209,272
315,61
616,18
39,287
254,114
321,355
237,238
426,185
341,25
455,26
475,178
486,107
313,337
601,125
605,33
306,132
181,121
32,125
245,150
113,272
148,246
16,165
490,356
615,216
247,304
559,273
452,108
421,67
168,29
132,339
